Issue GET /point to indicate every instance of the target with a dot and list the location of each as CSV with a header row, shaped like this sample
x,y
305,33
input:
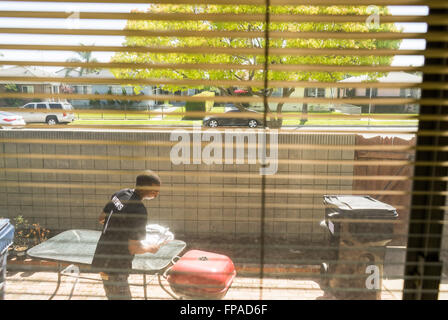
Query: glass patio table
x,y
77,247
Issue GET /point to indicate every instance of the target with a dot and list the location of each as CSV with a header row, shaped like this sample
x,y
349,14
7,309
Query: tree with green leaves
x,y
82,57
122,103
13,102
255,61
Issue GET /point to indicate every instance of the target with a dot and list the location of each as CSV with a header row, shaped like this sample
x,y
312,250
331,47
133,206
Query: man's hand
x,y
104,276
164,243
102,218
139,247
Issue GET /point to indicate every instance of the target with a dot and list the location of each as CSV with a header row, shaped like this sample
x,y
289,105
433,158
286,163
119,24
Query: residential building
x,y
29,84
103,89
391,77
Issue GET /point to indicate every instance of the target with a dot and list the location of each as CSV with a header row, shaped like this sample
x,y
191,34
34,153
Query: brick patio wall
x,y
62,179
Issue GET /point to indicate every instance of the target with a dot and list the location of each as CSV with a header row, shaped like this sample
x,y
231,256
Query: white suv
x,y
50,112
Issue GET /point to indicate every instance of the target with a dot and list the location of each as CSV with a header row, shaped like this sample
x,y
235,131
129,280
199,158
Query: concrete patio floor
x,y
41,285
29,280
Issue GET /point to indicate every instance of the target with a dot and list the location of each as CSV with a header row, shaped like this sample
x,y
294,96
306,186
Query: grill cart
x,y
359,229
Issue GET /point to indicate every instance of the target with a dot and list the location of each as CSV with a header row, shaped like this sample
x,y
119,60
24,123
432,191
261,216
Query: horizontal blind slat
x,y
429,36
212,66
381,147
430,3
243,115
439,102
434,19
223,50
228,188
277,176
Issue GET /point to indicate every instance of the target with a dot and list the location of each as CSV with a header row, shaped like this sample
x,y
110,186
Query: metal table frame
x,y
140,263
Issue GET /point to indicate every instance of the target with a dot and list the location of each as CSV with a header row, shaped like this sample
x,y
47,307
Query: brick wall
x,y
62,179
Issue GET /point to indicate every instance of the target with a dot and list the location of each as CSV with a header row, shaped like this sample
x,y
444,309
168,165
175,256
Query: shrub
x,y
199,106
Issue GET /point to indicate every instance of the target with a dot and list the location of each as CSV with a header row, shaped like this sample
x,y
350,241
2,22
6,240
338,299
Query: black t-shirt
x,y
126,218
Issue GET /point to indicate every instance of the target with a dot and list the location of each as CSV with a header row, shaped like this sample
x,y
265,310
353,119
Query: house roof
x,y
29,72
102,73
390,77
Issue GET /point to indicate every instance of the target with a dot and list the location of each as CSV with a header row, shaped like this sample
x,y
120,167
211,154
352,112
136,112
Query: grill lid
x,y
363,207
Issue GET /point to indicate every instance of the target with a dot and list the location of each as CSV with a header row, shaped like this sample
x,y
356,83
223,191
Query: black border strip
x,y
423,269
263,177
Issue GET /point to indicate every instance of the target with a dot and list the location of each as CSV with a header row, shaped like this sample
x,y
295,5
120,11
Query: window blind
x,y
256,114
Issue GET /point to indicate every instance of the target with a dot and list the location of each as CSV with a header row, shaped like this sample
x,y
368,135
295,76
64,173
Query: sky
x,y
119,24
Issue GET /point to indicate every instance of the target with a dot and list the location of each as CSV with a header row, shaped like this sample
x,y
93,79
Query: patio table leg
x,y
58,284
144,286
71,271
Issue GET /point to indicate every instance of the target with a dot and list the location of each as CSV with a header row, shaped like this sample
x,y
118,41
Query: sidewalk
x,y
166,111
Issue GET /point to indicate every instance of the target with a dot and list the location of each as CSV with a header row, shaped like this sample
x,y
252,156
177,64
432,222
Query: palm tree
x,y
83,57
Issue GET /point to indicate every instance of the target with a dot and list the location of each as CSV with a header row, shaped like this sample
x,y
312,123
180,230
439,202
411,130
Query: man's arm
x,y
137,247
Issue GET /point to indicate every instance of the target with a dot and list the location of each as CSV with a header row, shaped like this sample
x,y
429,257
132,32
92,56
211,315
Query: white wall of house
x,y
297,105
387,92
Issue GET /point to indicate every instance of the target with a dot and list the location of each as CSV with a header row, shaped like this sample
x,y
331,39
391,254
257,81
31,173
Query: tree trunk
x,y
277,122
304,117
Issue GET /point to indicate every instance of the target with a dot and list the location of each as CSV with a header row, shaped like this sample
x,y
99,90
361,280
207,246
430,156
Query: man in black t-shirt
x,y
124,221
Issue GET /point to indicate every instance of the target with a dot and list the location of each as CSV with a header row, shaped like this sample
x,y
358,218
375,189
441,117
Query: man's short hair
x,y
147,178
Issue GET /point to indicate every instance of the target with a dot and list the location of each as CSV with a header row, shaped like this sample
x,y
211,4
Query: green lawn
x,y
112,116
175,116
136,122
291,119
338,122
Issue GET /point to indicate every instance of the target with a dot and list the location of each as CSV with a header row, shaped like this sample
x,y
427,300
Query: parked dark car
x,y
240,119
